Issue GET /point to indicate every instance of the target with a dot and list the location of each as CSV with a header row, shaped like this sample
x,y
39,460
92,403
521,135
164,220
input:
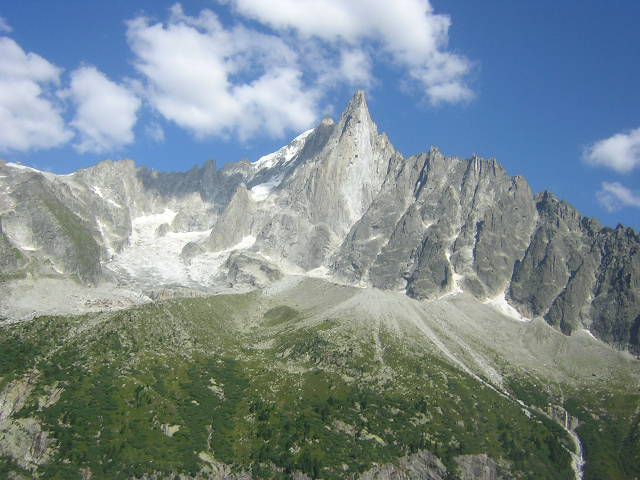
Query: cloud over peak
x,y
214,81
407,32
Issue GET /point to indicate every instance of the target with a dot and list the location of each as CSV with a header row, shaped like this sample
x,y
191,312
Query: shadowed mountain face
x,y
339,201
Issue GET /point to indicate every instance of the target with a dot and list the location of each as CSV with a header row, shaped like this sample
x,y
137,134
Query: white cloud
x,y
28,115
217,81
4,26
105,111
621,152
407,31
355,67
614,196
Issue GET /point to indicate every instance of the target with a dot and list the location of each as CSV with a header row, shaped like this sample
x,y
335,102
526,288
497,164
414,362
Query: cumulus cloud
x,y
4,26
407,31
105,112
29,117
614,196
214,80
621,152
268,72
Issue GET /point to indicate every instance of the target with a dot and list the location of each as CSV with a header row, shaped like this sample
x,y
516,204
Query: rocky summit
x,y
331,310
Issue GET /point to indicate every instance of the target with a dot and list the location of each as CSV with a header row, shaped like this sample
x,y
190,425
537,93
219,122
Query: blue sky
x,y
550,89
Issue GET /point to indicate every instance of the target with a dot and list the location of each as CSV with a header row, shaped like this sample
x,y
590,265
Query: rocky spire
x,y
357,117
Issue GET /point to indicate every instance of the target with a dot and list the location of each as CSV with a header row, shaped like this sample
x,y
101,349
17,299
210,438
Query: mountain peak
x,y
356,120
358,106
359,98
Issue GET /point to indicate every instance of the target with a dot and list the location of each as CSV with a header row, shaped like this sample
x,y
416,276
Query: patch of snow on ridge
x,y
23,167
499,303
245,243
19,166
284,154
95,189
260,192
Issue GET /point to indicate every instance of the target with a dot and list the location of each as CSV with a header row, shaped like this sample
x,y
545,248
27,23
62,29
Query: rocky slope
x,y
338,201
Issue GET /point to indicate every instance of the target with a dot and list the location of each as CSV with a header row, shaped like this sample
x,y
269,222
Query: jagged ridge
x,y
342,199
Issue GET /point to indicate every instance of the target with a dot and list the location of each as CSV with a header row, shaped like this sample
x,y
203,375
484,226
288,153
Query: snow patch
x,y
105,239
456,289
456,279
319,272
499,303
372,238
23,167
154,260
95,189
203,269
284,155
150,258
588,332
261,192
246,242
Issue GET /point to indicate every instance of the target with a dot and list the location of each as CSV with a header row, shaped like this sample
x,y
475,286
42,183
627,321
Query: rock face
x,y
441,224
338,198
421,465
480,467
11,260
22,439
43,223
300,208
575,273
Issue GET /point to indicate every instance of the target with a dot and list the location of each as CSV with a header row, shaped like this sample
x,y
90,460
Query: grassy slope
x,y
610,432
265,391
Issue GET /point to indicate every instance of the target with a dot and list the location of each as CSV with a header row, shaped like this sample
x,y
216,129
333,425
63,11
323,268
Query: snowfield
x,y
151,259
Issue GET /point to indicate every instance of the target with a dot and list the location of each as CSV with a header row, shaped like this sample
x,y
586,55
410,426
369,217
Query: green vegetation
x,y
264,393
531,391
609,432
